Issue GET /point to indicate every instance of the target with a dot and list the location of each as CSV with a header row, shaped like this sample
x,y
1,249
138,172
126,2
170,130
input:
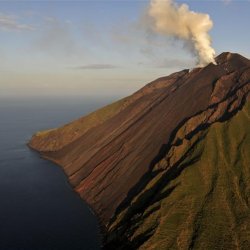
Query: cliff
x,y
167,167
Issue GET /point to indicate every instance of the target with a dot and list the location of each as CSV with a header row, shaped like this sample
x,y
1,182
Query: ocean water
x,y
38,208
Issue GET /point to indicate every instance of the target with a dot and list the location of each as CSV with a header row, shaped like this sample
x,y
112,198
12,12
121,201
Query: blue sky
x,y
68,48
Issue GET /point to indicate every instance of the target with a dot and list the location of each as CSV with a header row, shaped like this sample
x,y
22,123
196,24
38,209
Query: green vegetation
x,y
52,140
44,132
203,203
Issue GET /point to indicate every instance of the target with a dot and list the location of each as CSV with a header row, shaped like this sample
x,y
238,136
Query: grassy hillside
x,y
55,139
198,196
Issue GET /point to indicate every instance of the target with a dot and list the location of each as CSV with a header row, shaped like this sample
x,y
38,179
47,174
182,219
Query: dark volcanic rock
x,y
111,155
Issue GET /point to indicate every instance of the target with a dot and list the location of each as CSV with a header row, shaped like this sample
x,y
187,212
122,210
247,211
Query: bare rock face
x,y
112,155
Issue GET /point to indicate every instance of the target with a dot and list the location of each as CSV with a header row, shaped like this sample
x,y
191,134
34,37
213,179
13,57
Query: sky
x,y
101,47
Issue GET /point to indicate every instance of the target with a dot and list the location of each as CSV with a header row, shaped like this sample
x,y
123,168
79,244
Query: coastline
x,y
101,227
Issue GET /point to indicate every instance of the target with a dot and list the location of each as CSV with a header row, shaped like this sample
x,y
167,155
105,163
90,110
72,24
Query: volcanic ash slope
x,y
169,166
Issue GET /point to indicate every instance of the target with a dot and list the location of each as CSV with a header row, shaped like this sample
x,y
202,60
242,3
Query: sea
x,y
38,208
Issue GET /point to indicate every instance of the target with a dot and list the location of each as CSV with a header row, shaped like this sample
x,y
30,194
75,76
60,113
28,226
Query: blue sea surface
x,y
38,208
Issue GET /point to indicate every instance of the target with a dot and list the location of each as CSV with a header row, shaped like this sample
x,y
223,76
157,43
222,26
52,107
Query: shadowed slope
x,y
201,202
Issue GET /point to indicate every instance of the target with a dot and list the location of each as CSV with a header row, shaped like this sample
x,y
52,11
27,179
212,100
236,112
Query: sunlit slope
x,y
200,203
55,139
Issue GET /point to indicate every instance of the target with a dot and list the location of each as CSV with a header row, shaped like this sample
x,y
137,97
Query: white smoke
x,y
176,20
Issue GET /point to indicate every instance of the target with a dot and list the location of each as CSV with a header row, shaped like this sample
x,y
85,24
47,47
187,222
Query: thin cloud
x,y
56,38
175,63
170,63
226,1
96,66
11,23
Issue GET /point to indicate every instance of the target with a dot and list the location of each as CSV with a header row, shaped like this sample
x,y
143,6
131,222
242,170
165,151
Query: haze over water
x,y
39,210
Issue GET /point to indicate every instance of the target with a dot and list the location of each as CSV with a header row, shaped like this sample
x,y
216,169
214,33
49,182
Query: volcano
x,y
169,166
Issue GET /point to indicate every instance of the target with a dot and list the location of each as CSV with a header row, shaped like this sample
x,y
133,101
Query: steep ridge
x,y
133,160
198,195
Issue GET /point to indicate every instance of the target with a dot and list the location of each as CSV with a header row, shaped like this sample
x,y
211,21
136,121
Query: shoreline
x,y
102,231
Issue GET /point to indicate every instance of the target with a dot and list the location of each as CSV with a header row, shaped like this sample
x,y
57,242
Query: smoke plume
x,y
176,20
